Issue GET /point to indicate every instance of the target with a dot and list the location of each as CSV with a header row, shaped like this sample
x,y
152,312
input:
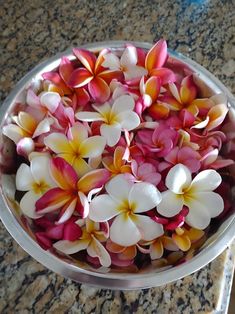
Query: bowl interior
x,y
73,266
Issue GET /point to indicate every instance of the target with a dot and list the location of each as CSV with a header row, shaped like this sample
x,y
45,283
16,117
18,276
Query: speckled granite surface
x,y
33,30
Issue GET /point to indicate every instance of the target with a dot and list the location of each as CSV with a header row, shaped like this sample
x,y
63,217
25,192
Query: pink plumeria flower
x,y
156,59
76,146
184,155
93,74
115,119
127,63
145,172
35,180
160,141
91,240
126,201
196,194
71,192
211,159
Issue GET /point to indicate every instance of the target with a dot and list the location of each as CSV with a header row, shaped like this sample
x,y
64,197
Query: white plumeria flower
x,y
125,201
196,194
127,63
35,180
116,118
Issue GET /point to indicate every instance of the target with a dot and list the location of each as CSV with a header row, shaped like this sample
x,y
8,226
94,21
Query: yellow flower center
x,y
40,188
127,209
109,117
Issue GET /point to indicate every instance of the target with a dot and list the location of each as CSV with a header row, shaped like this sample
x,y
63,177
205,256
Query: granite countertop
x,y
32,31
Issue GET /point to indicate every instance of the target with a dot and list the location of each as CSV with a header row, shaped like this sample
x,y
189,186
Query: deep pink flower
x,y
160,141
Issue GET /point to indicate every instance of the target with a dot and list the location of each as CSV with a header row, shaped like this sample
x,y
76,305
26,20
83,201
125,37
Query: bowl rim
x,y
122,281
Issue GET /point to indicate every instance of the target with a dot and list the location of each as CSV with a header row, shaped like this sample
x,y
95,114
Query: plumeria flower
x,y
76,146
184,155
115,119
117,164
94,75
127,63
35,180
160,141
156,59
196,194
91,241
121,255
25,129
126,202
71,192
157,246
184,238
211,159
145,172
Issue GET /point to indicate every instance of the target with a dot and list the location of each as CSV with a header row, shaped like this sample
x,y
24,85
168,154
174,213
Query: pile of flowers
x,y
121,157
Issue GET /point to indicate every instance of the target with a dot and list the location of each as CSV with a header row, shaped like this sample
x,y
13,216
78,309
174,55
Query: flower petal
x,y
207,180
212,202
71,247
119,188
79,164
134,72
129,57
148,228
92,147
217,115
77,134
111,133
14,132
65,69
99,90
42,127
40,166
188,90
170,205
144,196
89,116
183,242
50,100
152,87
198,216
68,211
128,120
86,57
156,56
64,175
24,178
96,249
52,200
123,231
103,208
92,180
27,204
156,249
123,103
80,77
111,61
178,178
166,75
58,143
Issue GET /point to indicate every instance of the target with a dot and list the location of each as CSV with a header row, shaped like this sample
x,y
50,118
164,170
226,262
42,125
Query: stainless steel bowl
x,y
79,271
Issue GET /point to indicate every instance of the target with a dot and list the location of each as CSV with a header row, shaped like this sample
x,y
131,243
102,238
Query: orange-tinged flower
x,y
94,75
184,97
117,164
183,238
155,60
70,193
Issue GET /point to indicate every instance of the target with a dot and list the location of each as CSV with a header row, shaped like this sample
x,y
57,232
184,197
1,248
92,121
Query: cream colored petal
x,y
118,188
129,120
24,178
103,208
178,178
148,228
170,205
71,247
207,180
111,133
96,249
123,103
27,204
92,147
58,143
